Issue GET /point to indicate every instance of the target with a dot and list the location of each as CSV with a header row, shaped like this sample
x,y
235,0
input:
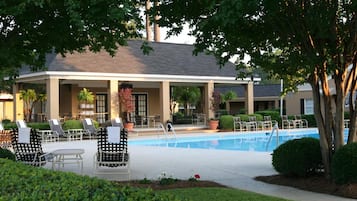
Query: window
x,y
308,106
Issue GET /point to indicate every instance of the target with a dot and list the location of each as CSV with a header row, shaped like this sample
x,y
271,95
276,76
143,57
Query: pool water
x,y
256,141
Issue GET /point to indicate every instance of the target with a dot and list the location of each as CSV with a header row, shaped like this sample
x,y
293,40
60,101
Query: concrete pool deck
x,y
235,169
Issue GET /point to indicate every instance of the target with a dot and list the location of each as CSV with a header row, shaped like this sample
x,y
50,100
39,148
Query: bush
x,y
226,122
275,115
298,157
310,118
344,164
245,117
5,153
40,126
23,182
72,124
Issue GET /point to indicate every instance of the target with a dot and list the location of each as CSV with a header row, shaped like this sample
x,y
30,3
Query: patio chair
x,y
286,122
117,122
238,125
27,147
299,122
71,134
251,124
89,128
266,124
21,124
112,154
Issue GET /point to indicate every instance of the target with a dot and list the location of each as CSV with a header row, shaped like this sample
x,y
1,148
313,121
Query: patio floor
x,y
231,168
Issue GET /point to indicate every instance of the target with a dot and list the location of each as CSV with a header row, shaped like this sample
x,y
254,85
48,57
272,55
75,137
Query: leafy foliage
x,y
23,182
30,98
7,154
298,157
72,124
30,29
85,96
344,164
126,100
186,96
297,41
226,122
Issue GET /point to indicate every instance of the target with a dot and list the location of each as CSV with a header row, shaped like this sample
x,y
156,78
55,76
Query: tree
x,y
30,29
186,96
126,100
297,41
30,98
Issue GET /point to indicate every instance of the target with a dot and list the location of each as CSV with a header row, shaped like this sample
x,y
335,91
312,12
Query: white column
x,y
18,104
249,98
52,104
164,101
113,98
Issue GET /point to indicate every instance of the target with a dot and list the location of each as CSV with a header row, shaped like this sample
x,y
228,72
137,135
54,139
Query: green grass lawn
x,y
219,194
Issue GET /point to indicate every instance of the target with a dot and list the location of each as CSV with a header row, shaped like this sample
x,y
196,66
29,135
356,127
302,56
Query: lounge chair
x,y
112,155
89,128
71,134
117,122
28,148
21,124
5,137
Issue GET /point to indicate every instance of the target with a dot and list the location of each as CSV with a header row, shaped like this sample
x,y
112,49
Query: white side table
x,y
68,156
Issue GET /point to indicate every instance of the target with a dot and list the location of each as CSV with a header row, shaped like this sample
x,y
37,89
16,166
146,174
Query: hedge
x,y
23,182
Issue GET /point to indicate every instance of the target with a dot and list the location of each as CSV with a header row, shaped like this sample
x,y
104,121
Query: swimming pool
x,y
243,141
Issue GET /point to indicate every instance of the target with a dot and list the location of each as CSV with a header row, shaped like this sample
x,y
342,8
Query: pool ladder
x,y
276,129
169,127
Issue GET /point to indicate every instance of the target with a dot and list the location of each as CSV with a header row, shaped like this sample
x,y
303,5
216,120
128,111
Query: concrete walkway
x,y
231,168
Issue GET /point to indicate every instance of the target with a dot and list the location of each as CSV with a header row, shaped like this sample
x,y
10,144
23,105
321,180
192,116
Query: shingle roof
x,y
166,59
266,90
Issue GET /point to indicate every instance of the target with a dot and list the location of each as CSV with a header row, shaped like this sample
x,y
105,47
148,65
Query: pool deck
x,y
235,169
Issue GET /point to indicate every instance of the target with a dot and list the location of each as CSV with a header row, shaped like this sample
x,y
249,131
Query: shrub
x,y
5,153
298,157
39,126
344,164
226,122
310,118
275,115
245,117
72,124
23,182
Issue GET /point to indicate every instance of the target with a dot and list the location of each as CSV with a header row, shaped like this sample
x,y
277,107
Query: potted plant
x,y
126,101
215,102
85,97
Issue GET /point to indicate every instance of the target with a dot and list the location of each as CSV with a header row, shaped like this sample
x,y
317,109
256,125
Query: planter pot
x,y
213,124
129,126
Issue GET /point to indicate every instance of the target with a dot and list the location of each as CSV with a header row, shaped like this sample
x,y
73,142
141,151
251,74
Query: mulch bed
x,y
317,184
155,185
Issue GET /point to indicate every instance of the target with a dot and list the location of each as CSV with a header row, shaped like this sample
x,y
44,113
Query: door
x,y
101,107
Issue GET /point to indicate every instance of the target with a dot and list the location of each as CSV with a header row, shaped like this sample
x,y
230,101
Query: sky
x,y
183,38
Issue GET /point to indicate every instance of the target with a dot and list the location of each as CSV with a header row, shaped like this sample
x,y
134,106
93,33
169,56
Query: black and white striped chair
x,y
112,151
27,146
